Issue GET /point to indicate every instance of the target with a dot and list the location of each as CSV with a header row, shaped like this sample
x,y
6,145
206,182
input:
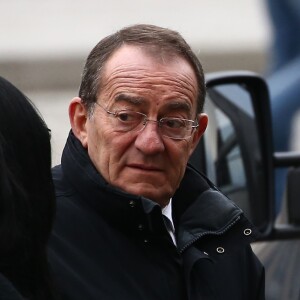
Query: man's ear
x,y
202,121
78,119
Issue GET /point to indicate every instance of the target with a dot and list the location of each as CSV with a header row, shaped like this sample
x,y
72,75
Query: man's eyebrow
x,y
180,105
130,99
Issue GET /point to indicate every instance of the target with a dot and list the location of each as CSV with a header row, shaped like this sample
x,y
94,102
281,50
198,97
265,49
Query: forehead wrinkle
x,y
127,76
182,84
121,78
132,72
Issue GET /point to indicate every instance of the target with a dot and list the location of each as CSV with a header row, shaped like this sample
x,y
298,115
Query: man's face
x,y
145,162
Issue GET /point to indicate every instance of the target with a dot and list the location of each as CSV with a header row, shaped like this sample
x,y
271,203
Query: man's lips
x,y
145,167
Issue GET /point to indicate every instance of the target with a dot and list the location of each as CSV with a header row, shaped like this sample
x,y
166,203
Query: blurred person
x,y
134,220
285,20
27,198
284,78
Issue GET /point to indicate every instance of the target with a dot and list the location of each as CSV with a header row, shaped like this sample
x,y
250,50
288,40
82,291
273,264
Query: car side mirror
x,y
236,152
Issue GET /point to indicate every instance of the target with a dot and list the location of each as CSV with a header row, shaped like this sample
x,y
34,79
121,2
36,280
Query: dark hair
x,y
26,194
160,39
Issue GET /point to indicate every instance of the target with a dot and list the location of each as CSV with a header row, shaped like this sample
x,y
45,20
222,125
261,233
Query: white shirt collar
x,y
167,212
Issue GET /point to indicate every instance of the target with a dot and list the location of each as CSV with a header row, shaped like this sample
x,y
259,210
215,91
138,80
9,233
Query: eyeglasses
x,y
174,128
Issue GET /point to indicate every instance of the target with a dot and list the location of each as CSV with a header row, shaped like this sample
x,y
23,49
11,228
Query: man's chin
x,y
150,191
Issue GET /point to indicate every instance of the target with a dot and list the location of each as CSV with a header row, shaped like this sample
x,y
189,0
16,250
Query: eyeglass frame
x,y
159,122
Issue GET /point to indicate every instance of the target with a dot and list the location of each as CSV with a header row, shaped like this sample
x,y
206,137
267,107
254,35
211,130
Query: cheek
x,y
106,149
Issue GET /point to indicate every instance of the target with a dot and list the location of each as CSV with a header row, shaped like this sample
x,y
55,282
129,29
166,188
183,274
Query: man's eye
x,y
174,123
126,116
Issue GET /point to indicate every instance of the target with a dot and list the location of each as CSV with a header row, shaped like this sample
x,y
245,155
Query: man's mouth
x,y
145,167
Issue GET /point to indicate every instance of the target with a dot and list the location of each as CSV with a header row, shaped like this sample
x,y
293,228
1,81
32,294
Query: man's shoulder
x,y
57,174
62,186
71,213
66,196
7,290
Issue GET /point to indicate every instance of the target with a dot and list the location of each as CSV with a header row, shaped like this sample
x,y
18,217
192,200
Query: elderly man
x,y
134,220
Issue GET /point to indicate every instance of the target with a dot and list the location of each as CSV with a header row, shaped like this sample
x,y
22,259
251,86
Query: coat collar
x,y
201,209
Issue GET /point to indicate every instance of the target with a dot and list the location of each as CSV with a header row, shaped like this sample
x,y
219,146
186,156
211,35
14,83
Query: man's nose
x,y
149,140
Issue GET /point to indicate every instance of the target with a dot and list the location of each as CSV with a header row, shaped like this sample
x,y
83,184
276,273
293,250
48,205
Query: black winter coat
x,y
108,244
8,291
